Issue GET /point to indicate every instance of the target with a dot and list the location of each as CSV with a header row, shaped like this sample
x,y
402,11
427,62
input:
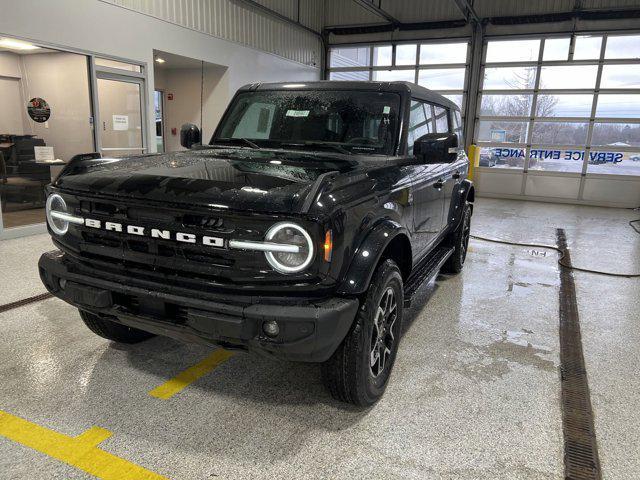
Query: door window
x,y
420,122
442,119
120,109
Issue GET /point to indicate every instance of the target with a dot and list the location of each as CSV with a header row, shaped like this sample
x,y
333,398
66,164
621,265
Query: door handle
x,y
439,184
456,175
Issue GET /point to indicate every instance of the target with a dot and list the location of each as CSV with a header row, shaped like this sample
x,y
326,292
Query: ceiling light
x,y
160,60
13,44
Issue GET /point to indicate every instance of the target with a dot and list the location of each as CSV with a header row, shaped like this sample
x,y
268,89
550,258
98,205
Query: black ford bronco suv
x,y
300,231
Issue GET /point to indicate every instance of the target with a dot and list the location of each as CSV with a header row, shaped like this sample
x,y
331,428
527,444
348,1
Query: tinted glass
x,y
442,119
420,123
353,121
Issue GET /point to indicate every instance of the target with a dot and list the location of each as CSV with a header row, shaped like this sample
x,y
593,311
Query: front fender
x,y
367,256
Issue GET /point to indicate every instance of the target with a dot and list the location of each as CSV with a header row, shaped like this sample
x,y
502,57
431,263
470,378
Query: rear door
x,y
452,173
428,195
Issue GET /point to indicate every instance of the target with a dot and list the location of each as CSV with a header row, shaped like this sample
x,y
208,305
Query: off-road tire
x,y
348,373
459,240
112,330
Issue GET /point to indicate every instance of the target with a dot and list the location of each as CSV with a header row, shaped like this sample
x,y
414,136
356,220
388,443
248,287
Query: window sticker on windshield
x,y
298,113
386,110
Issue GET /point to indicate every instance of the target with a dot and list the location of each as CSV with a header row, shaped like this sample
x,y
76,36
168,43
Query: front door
x,y
428,194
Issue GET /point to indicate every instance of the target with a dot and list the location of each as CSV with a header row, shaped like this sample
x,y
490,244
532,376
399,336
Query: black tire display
x,y
359,369
112,330
459,240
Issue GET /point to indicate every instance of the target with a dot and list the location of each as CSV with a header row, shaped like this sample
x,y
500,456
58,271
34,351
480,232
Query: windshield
x,y
340,121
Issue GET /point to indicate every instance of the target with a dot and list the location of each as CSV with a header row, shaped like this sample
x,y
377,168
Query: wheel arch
x,y
387,240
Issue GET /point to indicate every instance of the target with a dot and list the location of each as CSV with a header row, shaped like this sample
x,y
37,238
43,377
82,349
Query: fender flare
x,y
367,256
463,193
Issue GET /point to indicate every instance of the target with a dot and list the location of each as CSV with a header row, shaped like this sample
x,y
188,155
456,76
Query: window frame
x,y
537,91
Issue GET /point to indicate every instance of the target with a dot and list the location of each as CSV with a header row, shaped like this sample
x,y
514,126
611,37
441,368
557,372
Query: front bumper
x,y
310,329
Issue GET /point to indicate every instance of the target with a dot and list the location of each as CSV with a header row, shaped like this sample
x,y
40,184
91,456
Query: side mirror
x,y
436,148
190,135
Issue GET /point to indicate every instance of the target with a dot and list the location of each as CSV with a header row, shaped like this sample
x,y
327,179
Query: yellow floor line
x,y
190,375
80,452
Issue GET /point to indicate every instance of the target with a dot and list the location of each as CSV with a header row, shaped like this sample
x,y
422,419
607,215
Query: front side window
x,y
420,122
442,119
342,121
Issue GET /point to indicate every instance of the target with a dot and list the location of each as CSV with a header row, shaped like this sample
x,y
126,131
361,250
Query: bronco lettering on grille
x,y
154,233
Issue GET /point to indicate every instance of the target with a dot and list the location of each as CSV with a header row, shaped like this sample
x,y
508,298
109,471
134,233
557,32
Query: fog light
x,y
271,328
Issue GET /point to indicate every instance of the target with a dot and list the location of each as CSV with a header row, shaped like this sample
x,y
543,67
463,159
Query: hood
x,y
241,179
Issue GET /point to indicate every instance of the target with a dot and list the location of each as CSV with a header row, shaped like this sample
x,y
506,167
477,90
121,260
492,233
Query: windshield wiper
x,y
315,143
235,140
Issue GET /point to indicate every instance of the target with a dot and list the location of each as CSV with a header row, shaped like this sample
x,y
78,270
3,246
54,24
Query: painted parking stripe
x,y
190,375
81,452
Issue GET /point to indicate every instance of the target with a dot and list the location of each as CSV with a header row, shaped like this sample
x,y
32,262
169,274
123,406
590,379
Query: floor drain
x,y
24,301
580,448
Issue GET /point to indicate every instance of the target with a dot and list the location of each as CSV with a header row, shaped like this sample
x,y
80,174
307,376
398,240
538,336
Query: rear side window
x,y
442,119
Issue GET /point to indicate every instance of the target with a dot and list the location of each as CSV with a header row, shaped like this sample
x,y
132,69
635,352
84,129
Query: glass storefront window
x,y
506,105
556,49
442,78
382,56
568,76
357,75
509,78
618,105
623,46
559,133
553,159
564,105
620,76
45,119
500,131
443,53
614,163
406,54
350,57
616,134
587,47
394,75
513,50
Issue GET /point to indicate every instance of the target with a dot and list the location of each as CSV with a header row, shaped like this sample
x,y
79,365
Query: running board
x,y
426,271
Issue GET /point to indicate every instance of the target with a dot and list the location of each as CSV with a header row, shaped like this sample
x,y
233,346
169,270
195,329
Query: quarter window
x,y
420,122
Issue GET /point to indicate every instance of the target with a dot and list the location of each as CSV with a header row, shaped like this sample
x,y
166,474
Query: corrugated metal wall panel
x,y
238,22
502,8
608,4
346,12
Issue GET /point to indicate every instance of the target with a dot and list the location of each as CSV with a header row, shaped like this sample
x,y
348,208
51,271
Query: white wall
x,y
98,27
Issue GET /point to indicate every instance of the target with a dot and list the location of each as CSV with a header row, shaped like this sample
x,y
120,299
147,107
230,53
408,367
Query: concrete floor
x,y
474,393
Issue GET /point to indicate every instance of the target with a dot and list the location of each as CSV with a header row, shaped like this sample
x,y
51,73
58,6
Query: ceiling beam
x,y
467,10
279,16
370,6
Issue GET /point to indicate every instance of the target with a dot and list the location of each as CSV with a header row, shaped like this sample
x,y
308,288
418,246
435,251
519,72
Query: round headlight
x,y
55,203
292,235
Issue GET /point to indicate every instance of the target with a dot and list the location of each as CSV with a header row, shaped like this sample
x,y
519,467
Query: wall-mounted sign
x,y
44,154
121,122
38,109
